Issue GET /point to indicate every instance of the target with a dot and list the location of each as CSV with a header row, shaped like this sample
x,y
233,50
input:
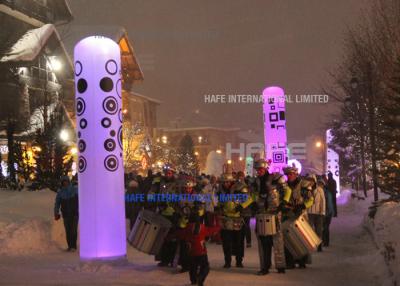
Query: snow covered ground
x,y
31,253
385,228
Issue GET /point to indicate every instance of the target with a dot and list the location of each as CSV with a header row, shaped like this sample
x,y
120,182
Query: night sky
x,y
191,48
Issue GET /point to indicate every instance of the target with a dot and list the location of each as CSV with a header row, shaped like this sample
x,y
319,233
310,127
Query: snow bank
x,y
27,225
385,228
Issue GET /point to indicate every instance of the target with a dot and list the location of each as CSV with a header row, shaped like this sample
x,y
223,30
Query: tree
x,y
186,159
389,175
52,160
366,120
24,160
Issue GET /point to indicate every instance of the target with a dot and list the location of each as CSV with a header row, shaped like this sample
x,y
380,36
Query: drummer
x,y
233,231
300,200
185,208
167,185
271,198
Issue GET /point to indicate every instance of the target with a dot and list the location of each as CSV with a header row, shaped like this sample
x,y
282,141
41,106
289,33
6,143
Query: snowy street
x,y
352,259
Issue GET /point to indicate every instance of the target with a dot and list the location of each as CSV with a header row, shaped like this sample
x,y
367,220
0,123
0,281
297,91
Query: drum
x,y
149,232
300,239
231,223
265,224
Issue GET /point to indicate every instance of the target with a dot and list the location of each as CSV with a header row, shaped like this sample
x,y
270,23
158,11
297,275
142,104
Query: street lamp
x,y
318,144
64,136
74,150
55,64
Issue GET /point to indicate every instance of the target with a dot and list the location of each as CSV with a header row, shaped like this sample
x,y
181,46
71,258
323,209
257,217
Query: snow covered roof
x,y
28,47
31,44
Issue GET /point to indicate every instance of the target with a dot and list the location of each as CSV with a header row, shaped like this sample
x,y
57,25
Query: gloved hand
x,y
57,216
238,208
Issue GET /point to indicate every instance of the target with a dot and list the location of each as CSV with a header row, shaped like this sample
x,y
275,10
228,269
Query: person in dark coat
x,y
332,187
67,201
328,216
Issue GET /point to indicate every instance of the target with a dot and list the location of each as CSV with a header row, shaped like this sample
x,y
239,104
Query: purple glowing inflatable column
x,y
275,128
332,161
100,166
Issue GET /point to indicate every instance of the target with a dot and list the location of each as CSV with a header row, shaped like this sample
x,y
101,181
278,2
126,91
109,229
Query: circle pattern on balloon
x,y
109,145
78,68
81,145
110,105
83,123
111,163
112,133
120,115
82,164
111,67
118,88
106,122
106,84
120,137
82,85
80,106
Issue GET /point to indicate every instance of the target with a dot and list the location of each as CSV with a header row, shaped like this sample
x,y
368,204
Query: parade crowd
x,y
269,196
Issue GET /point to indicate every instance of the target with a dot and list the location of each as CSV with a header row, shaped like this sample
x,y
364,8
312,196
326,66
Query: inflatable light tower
x,y
100,167
332,161
275,128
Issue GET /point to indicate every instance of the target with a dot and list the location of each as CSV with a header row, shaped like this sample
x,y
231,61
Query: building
x,y
31,56
36,70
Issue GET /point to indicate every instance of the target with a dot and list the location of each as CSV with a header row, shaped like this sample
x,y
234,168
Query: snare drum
x,y
265,224
149,232
231,223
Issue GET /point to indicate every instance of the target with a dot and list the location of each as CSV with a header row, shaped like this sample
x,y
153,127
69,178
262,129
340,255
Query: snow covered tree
x,y
389,175
24,160
52,161
186,159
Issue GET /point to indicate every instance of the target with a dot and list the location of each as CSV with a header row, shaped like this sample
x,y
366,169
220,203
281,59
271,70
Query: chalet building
x,y
36,68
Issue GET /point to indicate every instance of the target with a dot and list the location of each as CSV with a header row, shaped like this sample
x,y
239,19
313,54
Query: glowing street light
x,y
64,136
229,162
55,64
219,151
196,153
164,139
318,144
